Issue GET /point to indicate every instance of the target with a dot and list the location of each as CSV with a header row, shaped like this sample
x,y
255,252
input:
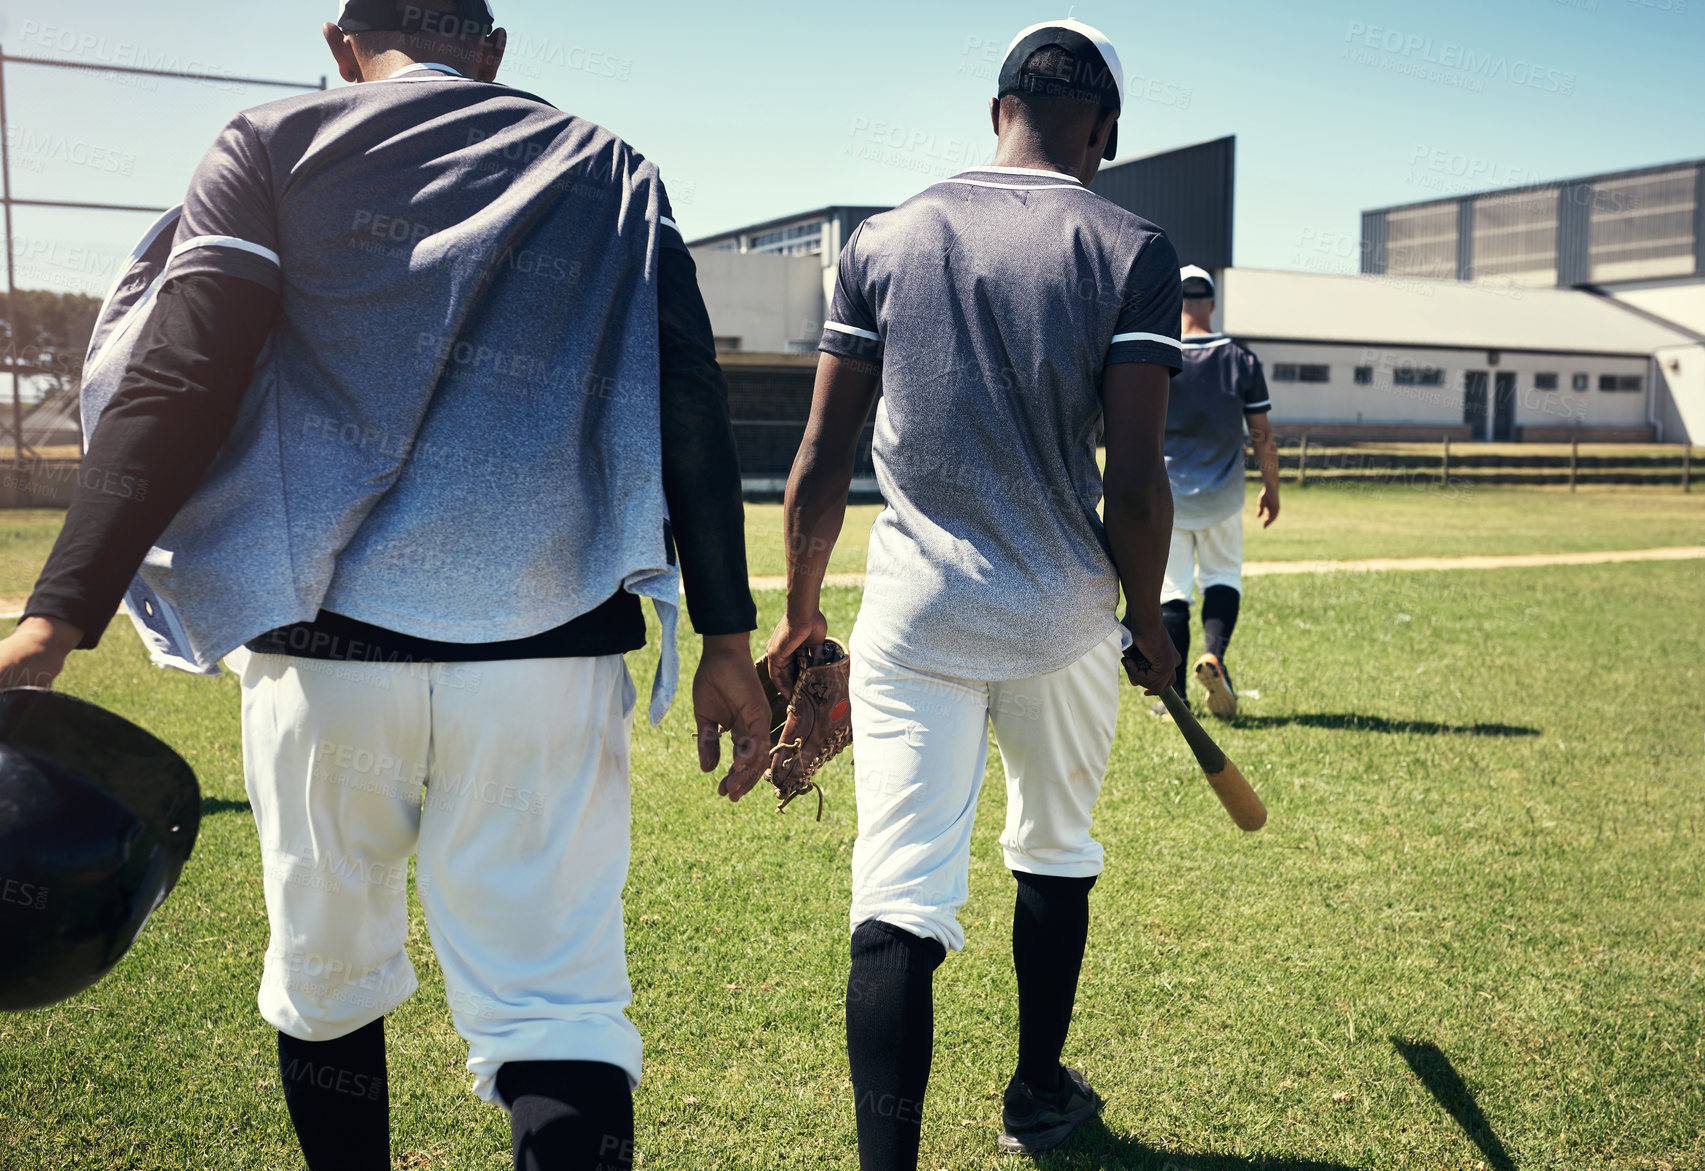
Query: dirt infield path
x,y
1385,564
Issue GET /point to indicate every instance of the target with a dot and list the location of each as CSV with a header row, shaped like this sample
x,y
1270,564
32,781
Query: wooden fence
x,y
1566,465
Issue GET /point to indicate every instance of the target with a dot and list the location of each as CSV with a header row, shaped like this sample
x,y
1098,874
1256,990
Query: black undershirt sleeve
x,y
701,468
156,439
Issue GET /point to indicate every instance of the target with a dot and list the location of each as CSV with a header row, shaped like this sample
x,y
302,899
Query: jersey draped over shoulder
x,y
992,303
466,359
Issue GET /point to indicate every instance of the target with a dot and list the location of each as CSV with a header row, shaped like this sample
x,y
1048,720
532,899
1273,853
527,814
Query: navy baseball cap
x,y
461,17
1096,75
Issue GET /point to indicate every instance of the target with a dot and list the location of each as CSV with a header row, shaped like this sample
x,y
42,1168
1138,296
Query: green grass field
x,y
1381,521
1479,899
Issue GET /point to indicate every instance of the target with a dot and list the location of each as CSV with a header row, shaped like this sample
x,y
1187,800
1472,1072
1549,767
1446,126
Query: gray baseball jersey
x,y
992,302
1221,383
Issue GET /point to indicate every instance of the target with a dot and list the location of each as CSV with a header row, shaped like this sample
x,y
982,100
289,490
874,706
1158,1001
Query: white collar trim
x,y
422,66
1023,171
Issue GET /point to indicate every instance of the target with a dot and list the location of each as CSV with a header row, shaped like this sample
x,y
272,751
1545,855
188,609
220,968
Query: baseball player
x,y
1014,319
1221,392
395,401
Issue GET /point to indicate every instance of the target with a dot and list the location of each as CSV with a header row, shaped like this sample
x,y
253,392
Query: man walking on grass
x,y
425,399
1221,391
1014,319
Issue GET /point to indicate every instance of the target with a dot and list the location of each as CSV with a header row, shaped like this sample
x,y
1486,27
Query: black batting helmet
x,y
97,819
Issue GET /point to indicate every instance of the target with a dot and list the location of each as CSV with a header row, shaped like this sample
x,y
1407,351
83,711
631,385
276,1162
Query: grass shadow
x,y
213,805
1446,1085
1094,1148
1352,722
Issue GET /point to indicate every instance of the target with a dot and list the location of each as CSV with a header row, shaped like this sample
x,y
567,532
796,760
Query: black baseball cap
x,y
1096,75
458,17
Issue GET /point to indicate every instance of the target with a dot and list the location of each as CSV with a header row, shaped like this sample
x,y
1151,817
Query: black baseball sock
x,y
1049,928
890,1038
568,1115
1175,616
1219,618
338,1100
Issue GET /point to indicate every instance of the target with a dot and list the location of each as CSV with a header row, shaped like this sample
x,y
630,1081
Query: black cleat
x,y
1034,1121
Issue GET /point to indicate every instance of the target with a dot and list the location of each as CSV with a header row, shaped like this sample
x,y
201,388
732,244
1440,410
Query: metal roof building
x,y
1616,227
1189,191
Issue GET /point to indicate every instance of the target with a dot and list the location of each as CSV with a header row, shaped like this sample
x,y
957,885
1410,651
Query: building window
x,y
1284,372
1579,382
727,343
1419,376
1545,382
798,240
1364,375
1314,374
1621,382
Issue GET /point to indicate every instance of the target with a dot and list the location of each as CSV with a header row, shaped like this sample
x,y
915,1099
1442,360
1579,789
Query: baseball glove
x,y
812,728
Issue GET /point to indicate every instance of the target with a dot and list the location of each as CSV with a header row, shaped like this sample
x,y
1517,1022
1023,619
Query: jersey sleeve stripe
x,y
1266,402
227,242
839,328
1149,337
669,223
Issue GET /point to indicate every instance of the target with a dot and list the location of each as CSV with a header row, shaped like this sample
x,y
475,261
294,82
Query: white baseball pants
x,y
1204,557
520,837
920,748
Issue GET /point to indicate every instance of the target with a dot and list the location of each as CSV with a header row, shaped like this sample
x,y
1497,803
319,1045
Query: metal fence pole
x,y
1302,465
1574,461
11,274
10,317
1687,466
1444,468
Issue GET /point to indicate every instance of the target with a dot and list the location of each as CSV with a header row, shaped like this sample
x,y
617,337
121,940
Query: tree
x,y
48,330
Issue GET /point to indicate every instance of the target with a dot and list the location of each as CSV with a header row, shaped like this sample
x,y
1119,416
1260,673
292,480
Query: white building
x,y
1393,358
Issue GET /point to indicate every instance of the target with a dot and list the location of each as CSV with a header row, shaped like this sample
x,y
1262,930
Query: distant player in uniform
x,y
417,398
1221,392
1015,319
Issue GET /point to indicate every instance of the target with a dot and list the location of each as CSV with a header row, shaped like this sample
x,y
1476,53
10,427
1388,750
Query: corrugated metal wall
x,y
1375,235
1624,226
1189,192
1574,206
1699,221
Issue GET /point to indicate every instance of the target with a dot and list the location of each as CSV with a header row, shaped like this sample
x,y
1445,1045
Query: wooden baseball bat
x,y
1228,784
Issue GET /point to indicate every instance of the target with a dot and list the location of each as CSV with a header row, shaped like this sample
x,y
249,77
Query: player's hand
x,y
727,697
1267,508
789,635
1152,662
34,654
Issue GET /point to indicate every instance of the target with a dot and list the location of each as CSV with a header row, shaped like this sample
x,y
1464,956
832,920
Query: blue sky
x,y
761,109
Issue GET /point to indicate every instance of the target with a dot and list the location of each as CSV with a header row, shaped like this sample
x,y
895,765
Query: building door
x,y
1474,404
1504,408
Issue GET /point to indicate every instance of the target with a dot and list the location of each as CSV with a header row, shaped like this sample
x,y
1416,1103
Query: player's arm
x,y
1138,510
174,408
816,504
152,445
848,375
701,482
1257,405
